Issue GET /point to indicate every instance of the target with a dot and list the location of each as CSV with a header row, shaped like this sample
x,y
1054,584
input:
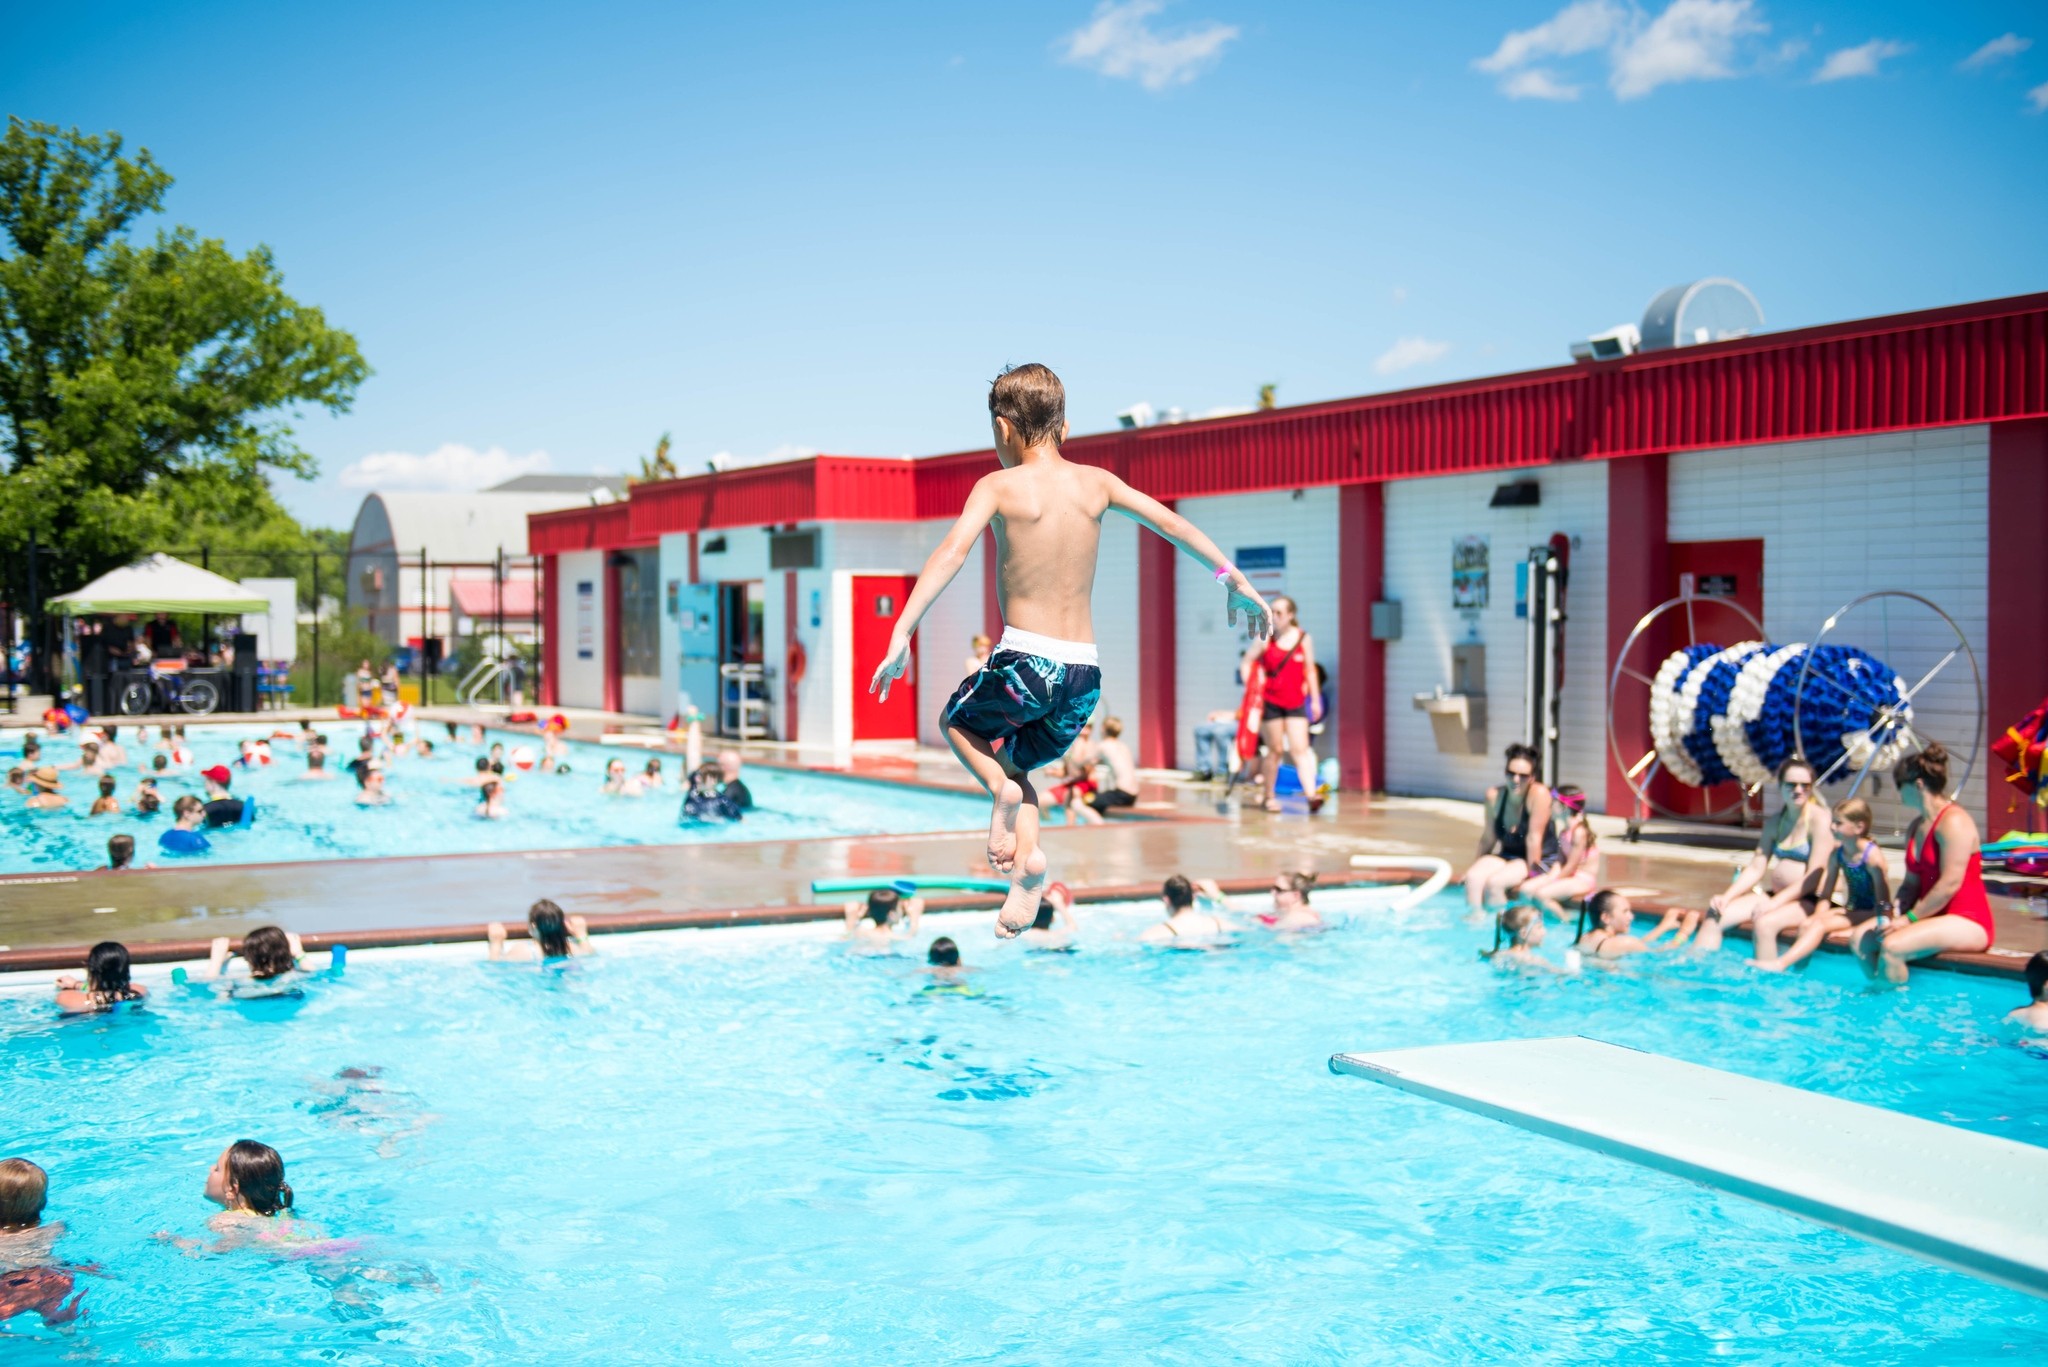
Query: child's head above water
x,y
106,969
1522,924
943,954
1853,820
268,952
249,1176
1610,911
120,851
549,928
188,808
2037,976
24,1188
1178,892
882,904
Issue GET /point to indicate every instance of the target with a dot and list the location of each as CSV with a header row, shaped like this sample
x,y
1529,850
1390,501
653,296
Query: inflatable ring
x,y
798,662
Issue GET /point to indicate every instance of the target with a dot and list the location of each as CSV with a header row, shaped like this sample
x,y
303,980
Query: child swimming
x,y
271,959
2034,1015
1184,926
550,935
1024,707
1522,925
105,984
28,1281
1612,934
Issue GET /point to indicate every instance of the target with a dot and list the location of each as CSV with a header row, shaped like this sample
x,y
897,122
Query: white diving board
x,y
1968,1200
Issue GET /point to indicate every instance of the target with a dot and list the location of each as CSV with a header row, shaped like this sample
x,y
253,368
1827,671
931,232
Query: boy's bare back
x,y
1048,525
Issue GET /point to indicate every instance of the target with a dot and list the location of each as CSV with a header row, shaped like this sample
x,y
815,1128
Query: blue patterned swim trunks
x,y
1032,704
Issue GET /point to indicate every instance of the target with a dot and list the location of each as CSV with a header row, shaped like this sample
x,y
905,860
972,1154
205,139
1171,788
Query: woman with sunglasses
x,y
1513,811
1794,849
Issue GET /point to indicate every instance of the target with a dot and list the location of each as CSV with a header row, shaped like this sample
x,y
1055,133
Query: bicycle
x,y
168,692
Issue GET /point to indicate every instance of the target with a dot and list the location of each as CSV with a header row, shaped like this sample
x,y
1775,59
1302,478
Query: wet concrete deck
x,y
1178,827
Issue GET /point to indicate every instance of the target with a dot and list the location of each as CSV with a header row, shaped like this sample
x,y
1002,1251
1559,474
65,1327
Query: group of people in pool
x,y
1816,873
1195,915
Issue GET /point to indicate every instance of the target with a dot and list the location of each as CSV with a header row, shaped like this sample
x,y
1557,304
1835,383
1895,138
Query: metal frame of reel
x,y
1639,775
1888,723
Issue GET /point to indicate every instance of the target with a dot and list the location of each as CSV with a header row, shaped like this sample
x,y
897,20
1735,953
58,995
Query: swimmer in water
x,y
1291,913
482,775
875,924
372,793
106,804
28,1280
1185,925
185,837
943,961
358,1099
105,984
618,783
2034,1015
1612,934
550,935
1052,932
1522,924
491,800
271,958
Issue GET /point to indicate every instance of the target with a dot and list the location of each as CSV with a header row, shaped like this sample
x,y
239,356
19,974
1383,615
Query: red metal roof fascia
x,y
602,527
865,489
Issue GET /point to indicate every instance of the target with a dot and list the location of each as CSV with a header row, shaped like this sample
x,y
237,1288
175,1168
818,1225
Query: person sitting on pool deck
x,y
270,955
106,804
887,912
2034,1015
1792,852
45,793
1856,861
184,838
1577,873
1053,930
491,799
1119,785
1516,815
1183,924
221,809
734,787
1612,934
1943,907
105,984
550,935
1023,708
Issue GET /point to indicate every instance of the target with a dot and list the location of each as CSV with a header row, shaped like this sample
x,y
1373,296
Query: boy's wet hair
x,y
1034,401
943,954
24,1188
256,1172
882,904
550,929
1178,892
267,951
2037,975
120,850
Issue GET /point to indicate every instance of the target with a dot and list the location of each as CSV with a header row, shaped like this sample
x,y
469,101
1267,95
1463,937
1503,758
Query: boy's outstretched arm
x,y
938,571
1150,512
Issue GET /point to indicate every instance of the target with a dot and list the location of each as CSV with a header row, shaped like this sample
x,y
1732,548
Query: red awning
x,y
477,598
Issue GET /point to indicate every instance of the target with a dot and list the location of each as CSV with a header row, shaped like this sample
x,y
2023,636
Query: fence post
x,y
314,701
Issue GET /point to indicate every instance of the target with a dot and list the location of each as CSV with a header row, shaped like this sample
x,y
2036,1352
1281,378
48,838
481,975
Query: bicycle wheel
x,y
199,696
138,698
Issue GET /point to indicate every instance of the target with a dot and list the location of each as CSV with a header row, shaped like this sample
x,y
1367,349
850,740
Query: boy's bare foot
x,y
1020,908
1002,827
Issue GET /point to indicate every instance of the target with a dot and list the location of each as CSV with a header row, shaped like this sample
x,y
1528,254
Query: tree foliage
x,y
143,384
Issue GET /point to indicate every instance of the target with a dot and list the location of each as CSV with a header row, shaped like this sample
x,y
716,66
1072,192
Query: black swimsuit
x,y
1514,844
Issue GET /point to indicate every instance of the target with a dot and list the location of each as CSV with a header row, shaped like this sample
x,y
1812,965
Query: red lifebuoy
x,y
798,662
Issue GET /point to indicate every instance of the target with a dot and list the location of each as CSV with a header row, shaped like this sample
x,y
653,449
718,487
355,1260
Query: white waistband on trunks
x,y
1048,647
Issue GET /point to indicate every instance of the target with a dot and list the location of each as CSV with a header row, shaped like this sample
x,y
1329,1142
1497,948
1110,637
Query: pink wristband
x,y
1225,572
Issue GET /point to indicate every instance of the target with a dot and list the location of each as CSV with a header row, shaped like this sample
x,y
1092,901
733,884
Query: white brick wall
x,y
1116,620
1307,524
1423,517
949,629
1844,517
582,681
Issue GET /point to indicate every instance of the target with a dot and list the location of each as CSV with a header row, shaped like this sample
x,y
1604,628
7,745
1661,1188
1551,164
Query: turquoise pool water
x,y
750,1146
432,810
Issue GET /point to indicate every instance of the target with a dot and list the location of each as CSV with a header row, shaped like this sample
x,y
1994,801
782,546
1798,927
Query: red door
x,y
877,602
1713,573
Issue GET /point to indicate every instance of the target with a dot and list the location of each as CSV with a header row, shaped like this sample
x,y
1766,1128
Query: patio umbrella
x,y
160,583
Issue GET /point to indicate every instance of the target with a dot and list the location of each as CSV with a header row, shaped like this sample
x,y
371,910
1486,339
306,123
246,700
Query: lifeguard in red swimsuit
x,y
1290,701
1943,907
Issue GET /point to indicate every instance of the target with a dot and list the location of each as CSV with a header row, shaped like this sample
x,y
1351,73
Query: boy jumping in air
x,y
1024,707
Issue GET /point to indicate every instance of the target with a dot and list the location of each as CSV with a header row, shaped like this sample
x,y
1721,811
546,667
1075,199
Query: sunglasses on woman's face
x,y
1521,775
1799,785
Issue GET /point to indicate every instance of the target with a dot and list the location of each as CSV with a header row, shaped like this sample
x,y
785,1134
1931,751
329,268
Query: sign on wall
x,y
586,619
1265,567
1470,556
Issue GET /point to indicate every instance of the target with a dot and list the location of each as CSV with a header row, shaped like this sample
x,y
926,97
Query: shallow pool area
x,y
757,1145
432,811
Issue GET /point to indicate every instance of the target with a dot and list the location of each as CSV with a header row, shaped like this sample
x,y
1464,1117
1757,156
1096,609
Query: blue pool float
x,y
178,840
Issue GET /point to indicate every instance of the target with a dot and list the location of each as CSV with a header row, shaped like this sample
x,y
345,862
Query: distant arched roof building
x,y
461,536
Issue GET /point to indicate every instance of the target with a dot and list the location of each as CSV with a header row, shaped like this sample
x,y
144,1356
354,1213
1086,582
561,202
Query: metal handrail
x,y
1439,872
485,672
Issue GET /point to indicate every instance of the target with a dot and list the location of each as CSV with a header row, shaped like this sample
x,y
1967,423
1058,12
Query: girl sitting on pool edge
x,y
550,935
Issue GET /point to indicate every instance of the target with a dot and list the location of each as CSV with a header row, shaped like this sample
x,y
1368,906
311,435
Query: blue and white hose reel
x,y
1722,714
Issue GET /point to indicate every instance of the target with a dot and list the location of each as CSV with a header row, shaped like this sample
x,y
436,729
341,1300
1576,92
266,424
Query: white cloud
x,y
1576,28
1997,50
1861,60
1408,353
2037,98
449,467
1537,83
726,460
1692,40
1118,41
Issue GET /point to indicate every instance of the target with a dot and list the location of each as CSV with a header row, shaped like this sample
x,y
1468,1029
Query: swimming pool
x,y
752,1145
431,813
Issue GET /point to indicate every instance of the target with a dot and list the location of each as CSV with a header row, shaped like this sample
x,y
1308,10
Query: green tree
x,y
142,384
656,466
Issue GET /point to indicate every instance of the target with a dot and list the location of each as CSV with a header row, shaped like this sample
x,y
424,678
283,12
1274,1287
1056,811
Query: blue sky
x,y
561,230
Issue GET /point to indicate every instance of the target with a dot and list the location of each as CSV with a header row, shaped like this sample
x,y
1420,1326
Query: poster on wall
x,y
1265,567
1469,560
586,619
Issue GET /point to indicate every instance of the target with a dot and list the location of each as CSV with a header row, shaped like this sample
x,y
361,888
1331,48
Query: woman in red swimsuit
x,y
1290,701
1942,903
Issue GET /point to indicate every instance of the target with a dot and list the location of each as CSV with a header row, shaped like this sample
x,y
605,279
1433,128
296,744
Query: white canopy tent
x,y
160,583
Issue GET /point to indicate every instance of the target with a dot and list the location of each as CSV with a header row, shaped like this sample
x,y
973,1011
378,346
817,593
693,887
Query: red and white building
x,y
1793,470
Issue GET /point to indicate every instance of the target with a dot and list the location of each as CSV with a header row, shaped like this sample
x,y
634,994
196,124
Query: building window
x,y
639,612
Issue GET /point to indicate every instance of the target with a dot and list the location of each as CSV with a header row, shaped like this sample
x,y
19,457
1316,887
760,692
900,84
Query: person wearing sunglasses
x,y
1513,810
1793,850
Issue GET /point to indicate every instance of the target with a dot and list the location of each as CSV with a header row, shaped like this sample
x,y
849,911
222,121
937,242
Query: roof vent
x,y
1712,310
